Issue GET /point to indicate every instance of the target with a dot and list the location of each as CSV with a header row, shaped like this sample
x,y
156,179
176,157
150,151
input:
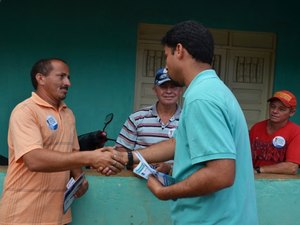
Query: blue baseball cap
x,y
161,76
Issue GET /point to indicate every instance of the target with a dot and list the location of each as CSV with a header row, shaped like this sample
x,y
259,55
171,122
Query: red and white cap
x,y
286,97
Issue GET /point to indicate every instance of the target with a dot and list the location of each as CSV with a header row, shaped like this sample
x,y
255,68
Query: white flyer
x,y
143,169
72,187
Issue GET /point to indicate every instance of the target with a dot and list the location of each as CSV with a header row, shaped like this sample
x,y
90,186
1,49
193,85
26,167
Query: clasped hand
x,y
108,161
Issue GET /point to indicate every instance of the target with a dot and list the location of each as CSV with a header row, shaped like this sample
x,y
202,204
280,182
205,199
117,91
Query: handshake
x,y
107,160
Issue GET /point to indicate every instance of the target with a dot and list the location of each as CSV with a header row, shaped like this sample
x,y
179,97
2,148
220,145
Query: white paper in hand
x,y
72,188
143,169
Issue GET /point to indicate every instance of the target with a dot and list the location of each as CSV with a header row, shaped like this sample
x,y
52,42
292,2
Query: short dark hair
x,y
194,37
43,66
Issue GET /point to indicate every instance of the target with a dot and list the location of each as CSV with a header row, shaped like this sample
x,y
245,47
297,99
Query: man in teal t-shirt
x,y
213,127
211,149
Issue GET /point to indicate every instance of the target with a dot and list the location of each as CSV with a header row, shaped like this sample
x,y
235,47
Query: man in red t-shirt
x,y
275,142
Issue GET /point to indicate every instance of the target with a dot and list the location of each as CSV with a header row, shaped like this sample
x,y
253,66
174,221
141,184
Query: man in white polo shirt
x,y
154,123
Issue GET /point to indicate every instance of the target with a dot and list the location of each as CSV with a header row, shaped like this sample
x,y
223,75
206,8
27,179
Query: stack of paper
x,y
143,169
72,188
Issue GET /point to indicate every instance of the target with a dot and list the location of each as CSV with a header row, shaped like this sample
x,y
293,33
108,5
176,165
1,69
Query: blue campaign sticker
x,y
278,142
52,123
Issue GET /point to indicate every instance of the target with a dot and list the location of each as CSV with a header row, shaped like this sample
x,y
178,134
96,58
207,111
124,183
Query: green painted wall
x,y
126,200
98,39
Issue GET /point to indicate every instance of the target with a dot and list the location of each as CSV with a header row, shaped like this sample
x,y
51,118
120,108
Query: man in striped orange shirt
x,y
44,152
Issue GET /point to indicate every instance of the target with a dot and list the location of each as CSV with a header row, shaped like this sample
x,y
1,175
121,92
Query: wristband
x,y
130,160
258,169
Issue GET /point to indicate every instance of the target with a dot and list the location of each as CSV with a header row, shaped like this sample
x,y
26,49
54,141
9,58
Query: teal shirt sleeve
x,y
210,137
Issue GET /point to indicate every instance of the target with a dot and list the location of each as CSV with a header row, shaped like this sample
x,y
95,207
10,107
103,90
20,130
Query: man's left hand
x,y
82,189
157,188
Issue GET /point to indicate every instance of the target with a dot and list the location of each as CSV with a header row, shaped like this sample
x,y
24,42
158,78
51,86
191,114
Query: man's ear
x,y
154,88
179,50
292,111
40,78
